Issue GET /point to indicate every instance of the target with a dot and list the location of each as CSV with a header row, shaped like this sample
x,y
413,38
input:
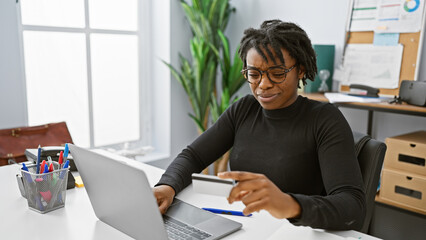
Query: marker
x,y
229,212
46,170
61,159
39,204
62,174
38,159
66,150
43,190
42,167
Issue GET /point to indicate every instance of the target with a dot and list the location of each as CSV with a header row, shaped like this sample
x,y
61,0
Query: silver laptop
x,y
122,198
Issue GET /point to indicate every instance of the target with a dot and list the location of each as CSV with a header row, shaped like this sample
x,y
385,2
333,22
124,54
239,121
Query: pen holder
x,y
45,192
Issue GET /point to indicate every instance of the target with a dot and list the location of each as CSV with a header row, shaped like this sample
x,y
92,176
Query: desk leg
x,y
370,122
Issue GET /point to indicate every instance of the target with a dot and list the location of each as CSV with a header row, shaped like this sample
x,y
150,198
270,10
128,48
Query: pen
x,y
229,212
27,175
38,159
59,185
32,185
29,193
24,167
49,159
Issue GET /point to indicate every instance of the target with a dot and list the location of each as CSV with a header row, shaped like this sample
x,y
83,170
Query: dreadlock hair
x,y
279,35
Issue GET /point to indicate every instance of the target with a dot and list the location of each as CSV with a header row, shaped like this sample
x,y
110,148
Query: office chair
x,y
370,154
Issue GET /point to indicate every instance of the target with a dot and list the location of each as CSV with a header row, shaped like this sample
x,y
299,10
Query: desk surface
x,y
78,221
382,106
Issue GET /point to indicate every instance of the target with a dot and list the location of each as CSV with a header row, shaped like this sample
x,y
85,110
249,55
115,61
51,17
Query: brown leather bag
x,y
14,141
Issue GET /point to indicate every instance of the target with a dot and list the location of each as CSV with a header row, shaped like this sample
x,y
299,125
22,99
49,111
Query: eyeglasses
x,y
276,74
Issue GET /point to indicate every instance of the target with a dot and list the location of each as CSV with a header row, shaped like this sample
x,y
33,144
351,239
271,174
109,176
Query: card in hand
x,y
213,185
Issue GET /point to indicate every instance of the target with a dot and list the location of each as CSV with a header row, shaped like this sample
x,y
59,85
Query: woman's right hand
x,y
164,195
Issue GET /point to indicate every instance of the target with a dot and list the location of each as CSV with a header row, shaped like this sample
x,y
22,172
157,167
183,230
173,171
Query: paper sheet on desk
x,y
374,66
290,232
342,97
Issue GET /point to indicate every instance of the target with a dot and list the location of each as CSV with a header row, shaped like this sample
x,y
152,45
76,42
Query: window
x,y
83,63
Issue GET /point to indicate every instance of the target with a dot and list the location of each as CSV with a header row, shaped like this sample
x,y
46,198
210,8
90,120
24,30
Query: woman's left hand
x,y
257,192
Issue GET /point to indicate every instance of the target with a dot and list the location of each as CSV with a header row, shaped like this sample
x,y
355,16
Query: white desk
x,y
78,221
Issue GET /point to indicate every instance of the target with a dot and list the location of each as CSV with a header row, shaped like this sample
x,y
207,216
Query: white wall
x,y
172,127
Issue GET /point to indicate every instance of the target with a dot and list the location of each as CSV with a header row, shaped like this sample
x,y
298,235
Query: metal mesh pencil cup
x,y
45,192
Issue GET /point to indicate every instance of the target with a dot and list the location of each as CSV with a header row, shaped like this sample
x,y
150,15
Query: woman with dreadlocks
x,y
292,156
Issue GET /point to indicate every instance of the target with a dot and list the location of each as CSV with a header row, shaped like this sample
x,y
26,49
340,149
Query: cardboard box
x,y
404,188
407,152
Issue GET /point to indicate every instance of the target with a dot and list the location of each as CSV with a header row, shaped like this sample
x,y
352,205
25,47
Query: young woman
x,y
292,156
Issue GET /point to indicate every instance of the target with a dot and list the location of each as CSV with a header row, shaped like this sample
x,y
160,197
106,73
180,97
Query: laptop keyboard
x,y
178,230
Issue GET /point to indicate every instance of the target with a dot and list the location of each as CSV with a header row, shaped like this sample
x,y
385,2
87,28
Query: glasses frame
x,y
286,70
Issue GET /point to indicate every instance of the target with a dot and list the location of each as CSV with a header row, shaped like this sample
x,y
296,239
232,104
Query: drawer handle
x,y
408,192
409,178
412,145
411,160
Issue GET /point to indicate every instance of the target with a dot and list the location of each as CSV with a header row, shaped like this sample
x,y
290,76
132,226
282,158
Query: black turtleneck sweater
x,y
306,149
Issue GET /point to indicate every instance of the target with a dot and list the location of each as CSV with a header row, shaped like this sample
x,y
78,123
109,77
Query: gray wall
x,y
12,88
183,130
324,21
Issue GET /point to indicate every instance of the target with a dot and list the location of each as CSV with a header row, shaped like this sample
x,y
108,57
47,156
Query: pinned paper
x,y
386,39
381,28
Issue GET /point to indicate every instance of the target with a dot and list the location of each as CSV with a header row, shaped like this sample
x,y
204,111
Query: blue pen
x,y
38,159
27,175
229,212
30,194
24,167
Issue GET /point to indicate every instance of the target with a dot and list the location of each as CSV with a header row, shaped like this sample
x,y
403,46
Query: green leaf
x,y
208,47
225,100
197,122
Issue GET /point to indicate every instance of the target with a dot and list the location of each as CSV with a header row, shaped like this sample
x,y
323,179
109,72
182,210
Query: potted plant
x,y
209,49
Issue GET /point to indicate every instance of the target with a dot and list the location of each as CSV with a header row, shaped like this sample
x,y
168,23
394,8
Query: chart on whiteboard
x,y
387,16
